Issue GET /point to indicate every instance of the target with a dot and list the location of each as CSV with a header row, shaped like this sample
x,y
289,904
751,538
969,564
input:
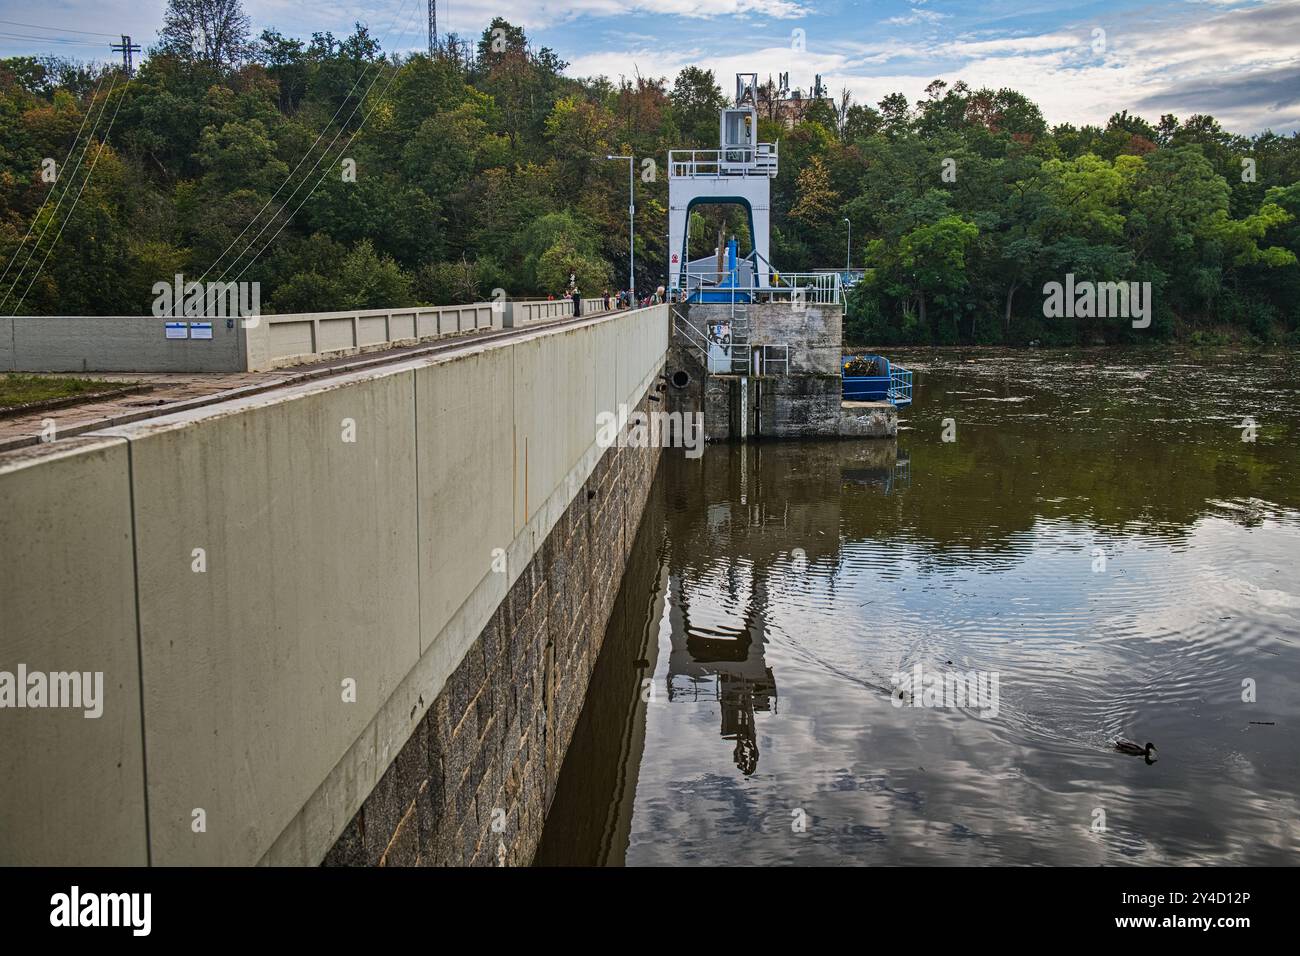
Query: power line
x,y
41,26
66,178
315,165
310,150
85,182
68,188
25,36
73,146
382,94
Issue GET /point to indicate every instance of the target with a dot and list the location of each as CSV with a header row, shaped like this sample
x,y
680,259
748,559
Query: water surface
x,y
1098,535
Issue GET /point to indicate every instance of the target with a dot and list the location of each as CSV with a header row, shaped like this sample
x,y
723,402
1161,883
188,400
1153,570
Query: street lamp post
x,y
848,249
631,237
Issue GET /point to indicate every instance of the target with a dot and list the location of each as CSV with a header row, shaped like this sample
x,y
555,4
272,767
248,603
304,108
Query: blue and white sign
x,y
178,330
200,330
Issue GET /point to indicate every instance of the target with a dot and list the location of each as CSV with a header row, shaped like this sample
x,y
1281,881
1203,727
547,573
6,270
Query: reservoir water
x,y
1096,534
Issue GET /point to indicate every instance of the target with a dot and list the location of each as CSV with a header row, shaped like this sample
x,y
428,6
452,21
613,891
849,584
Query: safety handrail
x,y
699,339
822,288
743,161
900,385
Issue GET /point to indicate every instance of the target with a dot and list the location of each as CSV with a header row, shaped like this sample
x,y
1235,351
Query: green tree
x,y
213,32
696,100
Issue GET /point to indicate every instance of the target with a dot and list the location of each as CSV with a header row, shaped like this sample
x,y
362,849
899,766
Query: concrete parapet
x,y
71,785
266,664
297,575
132,343
526,311
280,340
120,343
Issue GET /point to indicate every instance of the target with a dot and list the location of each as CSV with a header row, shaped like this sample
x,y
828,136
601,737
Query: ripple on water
x,y
811,574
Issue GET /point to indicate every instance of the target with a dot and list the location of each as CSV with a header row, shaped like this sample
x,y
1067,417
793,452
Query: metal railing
x,y
848,277
694,337
755,359
760,161
762,359
900,385
774,355
810,288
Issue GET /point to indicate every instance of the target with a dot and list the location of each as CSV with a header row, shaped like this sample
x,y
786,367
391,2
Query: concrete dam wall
x,y
348,621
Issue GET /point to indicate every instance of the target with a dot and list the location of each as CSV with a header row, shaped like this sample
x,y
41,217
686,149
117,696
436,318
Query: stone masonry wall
x,y
474,782
812,333
805,406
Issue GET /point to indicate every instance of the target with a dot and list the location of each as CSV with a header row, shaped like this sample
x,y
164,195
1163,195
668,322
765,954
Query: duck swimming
x,y
1126,746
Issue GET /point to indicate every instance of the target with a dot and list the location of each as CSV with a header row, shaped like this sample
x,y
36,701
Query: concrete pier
x,y
789,384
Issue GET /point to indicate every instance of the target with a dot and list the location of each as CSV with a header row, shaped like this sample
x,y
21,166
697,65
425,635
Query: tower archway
x,y
739,171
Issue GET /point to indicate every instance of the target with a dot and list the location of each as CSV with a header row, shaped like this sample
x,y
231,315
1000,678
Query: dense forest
x,y
340,177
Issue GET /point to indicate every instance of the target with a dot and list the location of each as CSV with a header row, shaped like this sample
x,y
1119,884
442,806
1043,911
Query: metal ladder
x,y
740,330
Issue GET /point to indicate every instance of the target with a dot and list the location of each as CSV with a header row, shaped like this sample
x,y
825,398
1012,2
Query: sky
x,y
1079,60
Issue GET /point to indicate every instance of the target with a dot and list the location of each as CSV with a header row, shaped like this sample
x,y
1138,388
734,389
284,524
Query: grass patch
x,y
19,389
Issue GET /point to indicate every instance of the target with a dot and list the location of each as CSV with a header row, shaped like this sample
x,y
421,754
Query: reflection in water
x,y
723,664
1098,535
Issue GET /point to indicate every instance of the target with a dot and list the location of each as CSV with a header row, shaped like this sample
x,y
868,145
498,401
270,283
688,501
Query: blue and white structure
x,y
739,171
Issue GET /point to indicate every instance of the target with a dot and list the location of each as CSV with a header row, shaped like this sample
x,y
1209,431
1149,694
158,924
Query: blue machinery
x,y
727,288
871,378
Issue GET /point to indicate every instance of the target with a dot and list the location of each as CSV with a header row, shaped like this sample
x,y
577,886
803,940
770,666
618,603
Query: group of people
x,y
627,298
620,299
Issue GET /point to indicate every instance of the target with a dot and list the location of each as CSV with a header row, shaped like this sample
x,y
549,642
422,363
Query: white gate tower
x,y
739,171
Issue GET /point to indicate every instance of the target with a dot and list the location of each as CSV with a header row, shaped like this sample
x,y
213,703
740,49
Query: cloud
x,y
1235,58
917,16
533,15
1011,45
1272,89
1240,63
1265,98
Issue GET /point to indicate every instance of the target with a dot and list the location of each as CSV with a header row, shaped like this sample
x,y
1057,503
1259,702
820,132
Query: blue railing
x,y
900,385
884,381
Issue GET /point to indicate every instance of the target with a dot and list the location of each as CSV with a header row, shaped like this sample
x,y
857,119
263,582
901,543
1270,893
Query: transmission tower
x,y
433,26
126,48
